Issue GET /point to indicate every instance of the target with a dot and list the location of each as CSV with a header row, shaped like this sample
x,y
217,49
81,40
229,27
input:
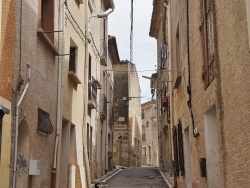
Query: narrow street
x,y
146,177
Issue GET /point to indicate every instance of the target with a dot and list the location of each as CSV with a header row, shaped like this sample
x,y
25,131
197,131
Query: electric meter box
x,y
34,168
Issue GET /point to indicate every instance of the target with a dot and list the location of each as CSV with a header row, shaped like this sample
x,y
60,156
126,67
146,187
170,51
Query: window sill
x,y
41,33
74,77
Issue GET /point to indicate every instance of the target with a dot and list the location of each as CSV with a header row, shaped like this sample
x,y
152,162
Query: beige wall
x,y
5,145
73,101
7,47
151,134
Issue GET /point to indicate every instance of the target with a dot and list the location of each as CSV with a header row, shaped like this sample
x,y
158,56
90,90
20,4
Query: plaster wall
x,y
7,47
151,133
42,91
231,57
5,145
233,99
73,101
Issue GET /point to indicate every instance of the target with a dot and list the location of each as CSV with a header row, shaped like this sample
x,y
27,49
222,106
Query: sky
x,y
144,47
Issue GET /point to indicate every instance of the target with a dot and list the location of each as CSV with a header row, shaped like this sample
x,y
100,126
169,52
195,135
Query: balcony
x,y
103,106
92,93
104,53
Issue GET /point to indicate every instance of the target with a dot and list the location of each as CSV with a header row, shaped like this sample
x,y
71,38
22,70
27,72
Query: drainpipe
x,y
55,180
16,132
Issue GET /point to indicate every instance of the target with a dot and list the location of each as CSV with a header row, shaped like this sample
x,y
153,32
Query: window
x,y
147,124
72,59
142,114
207,32
143,151
89,67
44,123
46,17
143,132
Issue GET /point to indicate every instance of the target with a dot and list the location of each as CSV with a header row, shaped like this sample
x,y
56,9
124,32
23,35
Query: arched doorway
x,y
22,175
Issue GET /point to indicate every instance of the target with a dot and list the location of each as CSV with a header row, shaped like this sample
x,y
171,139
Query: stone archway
x,y
22,175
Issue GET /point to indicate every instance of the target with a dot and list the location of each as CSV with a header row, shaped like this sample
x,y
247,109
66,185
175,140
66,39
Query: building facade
x,y
203,58
7,62
127,117
149,134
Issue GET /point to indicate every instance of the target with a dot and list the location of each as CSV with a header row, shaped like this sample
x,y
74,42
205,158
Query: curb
x,y
116,172
166,180
105,178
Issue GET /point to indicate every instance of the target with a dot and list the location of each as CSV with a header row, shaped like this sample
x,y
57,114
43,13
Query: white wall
x,y
212,151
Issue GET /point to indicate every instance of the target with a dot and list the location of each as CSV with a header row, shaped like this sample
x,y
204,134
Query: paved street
x,y
146,177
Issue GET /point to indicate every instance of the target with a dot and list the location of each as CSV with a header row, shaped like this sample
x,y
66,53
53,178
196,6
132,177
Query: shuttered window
x,y
178,150
207,32
46,17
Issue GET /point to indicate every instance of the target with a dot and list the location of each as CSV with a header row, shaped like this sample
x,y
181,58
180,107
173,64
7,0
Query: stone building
x,y
149,134
163,84
7,62
100,89
208,149
35,93
127,117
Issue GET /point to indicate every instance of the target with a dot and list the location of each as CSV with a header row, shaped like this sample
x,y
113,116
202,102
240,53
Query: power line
x,y
66,5
131,30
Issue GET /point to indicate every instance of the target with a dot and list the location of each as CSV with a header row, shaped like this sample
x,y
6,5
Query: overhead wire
x,y
66,5
131,30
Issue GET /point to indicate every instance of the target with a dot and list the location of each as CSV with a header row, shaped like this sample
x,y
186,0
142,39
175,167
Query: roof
x,y
108,4
158,7
113,50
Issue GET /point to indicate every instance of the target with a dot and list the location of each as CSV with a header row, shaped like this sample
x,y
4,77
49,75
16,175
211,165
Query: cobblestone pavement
x,y
144,177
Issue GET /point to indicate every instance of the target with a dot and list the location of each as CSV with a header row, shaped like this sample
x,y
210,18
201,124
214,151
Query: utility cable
x,y
66,5
131,30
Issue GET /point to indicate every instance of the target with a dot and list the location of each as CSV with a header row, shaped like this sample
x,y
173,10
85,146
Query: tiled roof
x,y
156,18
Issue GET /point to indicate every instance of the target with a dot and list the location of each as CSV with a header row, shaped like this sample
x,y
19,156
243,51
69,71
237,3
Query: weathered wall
x,y
121,148
127,152
233,99
7,47
42,91
231,57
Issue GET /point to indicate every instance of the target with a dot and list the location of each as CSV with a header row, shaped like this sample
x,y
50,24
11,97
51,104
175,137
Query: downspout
x,y
55,180
16,131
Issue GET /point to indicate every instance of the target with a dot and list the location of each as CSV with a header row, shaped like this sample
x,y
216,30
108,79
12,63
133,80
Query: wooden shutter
x,y
176,160
47,17
207,32
180,149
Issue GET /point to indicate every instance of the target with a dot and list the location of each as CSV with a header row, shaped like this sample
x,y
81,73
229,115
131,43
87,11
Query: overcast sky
x,y
144,50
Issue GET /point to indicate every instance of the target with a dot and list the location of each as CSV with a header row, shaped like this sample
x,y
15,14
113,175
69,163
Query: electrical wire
x,y
131,30
66,5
